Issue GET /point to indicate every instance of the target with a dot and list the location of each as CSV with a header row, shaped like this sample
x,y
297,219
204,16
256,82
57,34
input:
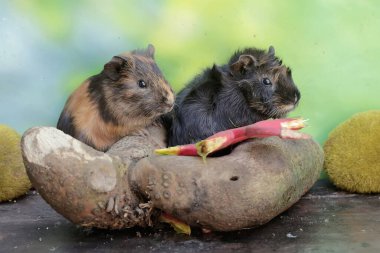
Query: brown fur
x,y
87,119
111,105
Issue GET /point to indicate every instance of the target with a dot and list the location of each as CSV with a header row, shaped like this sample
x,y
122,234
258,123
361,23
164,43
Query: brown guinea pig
x,y
253,86
127,96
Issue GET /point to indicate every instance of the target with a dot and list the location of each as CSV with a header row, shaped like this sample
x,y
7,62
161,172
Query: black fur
x,y
228,97
96,93
206,107
66,124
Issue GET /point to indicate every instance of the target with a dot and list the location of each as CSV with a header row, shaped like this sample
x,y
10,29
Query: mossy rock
x,y
352,153
14,181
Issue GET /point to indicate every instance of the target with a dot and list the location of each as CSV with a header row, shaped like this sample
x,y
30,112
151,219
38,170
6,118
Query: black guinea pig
x,y
253,86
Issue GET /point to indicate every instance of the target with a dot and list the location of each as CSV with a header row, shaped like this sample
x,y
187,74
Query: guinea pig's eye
x,y
142,84
266,81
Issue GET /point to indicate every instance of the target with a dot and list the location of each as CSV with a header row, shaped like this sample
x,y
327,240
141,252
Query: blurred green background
x,y
47,48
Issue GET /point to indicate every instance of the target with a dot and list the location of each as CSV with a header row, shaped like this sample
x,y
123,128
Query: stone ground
x,y
324,220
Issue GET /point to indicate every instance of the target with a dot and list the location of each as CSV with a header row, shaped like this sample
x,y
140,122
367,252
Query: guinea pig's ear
x,y
271,51
112,69
245,60
150,51
216,72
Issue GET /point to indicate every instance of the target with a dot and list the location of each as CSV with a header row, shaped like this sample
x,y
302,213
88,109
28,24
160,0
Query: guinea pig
x,y
253,86
128,95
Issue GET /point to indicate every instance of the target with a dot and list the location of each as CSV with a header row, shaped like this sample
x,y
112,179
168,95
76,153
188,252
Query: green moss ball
x,y
14,181
352,153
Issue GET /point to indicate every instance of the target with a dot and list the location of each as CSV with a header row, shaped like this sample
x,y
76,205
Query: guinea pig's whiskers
x,y
274,112
233,123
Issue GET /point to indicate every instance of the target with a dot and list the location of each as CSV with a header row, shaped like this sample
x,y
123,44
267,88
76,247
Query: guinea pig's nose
x,y
168,101
297,97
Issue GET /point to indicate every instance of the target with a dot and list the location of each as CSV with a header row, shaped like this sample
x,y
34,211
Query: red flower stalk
x,y
284,128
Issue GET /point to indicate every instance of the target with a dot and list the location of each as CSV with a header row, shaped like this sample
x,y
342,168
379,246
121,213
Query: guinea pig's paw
x,y
86,186
141,132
